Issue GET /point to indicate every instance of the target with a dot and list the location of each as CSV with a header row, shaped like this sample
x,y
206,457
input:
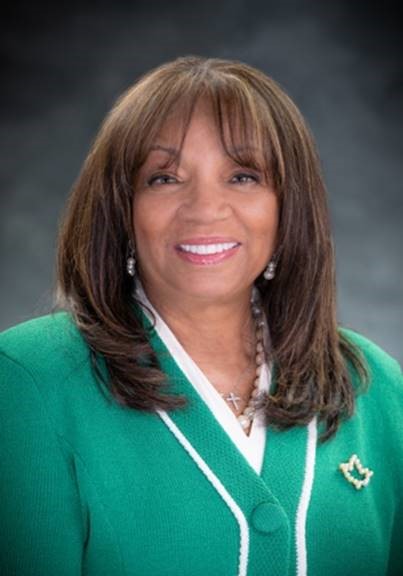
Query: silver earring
x,y
270,271
131,264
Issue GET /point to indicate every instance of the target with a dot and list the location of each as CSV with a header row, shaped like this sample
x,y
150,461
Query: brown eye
x,y
246,178
159,179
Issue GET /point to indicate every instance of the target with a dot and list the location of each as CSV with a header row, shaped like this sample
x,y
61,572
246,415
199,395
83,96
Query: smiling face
x,y
204,227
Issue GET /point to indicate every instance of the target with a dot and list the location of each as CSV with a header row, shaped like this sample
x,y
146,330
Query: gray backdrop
x,y
64,65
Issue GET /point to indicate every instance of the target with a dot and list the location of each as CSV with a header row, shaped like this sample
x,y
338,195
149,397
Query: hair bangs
x,y
237,112
175,106
241,133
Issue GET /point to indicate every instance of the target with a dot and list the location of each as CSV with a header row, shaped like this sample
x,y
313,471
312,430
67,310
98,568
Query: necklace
x,y
233,397
246,417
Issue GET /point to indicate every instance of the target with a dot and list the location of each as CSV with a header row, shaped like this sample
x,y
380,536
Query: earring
x,y
131,264
270,270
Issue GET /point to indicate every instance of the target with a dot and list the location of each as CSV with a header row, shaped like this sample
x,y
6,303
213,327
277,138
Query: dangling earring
x,y
270,270
131,263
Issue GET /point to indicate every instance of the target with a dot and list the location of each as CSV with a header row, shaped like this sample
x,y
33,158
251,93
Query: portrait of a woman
x,y
192,406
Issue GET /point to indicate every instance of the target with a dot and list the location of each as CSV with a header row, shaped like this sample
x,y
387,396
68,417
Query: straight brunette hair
x,y
252,112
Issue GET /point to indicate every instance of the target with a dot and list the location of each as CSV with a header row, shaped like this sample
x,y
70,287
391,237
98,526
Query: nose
x,y
206,201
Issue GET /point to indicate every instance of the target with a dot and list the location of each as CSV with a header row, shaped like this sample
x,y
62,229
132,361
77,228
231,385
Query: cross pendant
x,y
233,398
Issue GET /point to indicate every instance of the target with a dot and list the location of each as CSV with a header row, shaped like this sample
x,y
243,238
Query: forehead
x,y
240,138
175,127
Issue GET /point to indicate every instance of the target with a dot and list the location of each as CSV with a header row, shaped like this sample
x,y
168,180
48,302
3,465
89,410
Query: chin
x,y
209,290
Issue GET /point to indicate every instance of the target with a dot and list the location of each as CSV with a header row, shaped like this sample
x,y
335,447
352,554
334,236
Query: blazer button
x,y
267,517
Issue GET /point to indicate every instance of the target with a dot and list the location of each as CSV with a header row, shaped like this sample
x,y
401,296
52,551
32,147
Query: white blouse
x,y
251,446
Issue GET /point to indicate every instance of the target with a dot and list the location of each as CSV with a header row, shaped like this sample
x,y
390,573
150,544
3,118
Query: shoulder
x,y
45,365
380,363
384,391
377,358
51,340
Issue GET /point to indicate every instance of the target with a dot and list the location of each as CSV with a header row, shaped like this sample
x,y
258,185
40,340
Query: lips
x,y
204,251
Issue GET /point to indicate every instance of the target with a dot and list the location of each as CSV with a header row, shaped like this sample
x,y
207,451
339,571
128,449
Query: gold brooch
x,y
347,467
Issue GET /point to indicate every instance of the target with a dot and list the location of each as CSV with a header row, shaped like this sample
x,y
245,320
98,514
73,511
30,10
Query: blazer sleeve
x,y
41,521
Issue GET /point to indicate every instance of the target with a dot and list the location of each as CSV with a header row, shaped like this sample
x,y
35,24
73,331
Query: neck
x,y
225,341
220,333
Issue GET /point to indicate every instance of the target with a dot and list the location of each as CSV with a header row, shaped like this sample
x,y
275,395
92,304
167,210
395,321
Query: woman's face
x,y
206,228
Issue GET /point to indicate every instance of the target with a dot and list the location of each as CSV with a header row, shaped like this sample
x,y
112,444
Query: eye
x,y
243,176
160,179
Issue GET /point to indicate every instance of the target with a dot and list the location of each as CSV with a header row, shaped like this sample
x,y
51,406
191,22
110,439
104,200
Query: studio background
x,y
64,66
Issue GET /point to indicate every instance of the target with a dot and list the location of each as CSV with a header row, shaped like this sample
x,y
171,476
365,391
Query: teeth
x,y
207,248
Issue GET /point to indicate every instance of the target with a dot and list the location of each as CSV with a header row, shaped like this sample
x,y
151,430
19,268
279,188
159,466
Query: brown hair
x,y
310,354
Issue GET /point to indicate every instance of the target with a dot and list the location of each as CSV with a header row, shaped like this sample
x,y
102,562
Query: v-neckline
x,y
252,446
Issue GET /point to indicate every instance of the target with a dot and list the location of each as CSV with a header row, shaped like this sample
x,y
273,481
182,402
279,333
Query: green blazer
x,y
91,488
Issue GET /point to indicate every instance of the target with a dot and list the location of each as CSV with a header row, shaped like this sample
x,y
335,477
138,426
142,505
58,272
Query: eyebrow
x,y
174,151
169,150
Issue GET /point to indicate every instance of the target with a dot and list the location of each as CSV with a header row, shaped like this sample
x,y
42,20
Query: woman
x,y
194,408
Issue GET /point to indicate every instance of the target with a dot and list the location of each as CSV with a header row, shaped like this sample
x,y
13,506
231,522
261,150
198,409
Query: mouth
x,y
207,248
207,252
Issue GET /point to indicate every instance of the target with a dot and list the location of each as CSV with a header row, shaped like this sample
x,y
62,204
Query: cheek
x,y
143,226
265,217
144,215
151,224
